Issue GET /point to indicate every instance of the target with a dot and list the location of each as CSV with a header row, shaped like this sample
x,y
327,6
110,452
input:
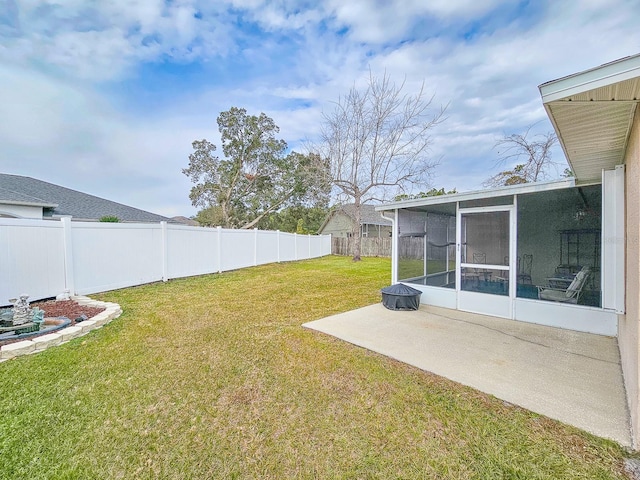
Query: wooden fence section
x,y
371,247
410,247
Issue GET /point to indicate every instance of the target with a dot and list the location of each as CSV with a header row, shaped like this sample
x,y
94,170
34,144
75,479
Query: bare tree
x,y
531,154
377,139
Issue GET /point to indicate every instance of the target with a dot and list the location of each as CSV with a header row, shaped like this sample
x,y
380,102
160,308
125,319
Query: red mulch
x,y
66,308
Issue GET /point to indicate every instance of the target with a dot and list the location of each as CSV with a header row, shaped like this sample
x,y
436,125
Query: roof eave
x,y
559,134
29,204
617,71
592,114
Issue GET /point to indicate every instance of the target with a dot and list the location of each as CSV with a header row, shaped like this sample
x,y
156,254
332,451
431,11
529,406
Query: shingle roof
x,y
368,214
185,221
9,196
59,200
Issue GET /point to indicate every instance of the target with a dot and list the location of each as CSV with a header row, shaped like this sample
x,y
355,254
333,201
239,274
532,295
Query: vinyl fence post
x,y
165,250
255,247
69,280
219,252
309,235
278,245
295,246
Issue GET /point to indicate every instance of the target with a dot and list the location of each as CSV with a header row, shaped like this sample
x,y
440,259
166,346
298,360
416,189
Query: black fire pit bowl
x,y
401,297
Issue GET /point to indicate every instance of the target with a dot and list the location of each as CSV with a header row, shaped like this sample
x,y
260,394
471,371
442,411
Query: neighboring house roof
x,y
57,201
592,113
185,221
369,216
16,198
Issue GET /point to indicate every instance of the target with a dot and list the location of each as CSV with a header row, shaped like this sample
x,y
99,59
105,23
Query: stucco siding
x,y
629,324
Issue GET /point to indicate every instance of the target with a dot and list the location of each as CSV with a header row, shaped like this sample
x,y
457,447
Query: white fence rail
x,y
43,257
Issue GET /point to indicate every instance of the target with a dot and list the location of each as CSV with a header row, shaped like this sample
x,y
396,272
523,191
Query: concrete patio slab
x,y
570,376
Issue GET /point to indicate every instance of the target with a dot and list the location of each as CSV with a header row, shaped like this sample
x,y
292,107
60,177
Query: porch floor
x,y
570,376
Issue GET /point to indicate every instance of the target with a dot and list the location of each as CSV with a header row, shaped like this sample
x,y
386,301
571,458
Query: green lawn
x,y
213,377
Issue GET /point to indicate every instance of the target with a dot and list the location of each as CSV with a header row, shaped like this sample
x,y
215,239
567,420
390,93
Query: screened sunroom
x,y
548,253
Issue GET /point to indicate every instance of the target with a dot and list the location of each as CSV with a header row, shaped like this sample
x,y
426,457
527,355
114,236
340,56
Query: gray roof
x,y
185,221
17,198
58,200
368,214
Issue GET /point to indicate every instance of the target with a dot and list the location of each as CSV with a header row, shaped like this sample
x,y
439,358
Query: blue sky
x,y
106,97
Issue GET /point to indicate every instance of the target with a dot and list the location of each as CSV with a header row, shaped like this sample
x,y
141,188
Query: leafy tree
x,y
434,192
536,153
256,175
515,176
209,217
375,140
298,219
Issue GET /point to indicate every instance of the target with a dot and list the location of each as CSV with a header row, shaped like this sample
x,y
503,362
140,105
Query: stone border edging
x,y
39,344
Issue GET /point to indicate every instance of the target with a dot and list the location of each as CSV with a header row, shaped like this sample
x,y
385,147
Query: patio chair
x,y
563,276
481,272
476,274
569,295
524,269
503,275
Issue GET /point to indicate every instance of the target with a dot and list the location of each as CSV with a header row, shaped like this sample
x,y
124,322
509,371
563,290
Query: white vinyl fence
x,y
43,258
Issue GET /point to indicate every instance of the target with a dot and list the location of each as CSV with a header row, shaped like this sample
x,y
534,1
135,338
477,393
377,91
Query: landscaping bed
x,y
54,309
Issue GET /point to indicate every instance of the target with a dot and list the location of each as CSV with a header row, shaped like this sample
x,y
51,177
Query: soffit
x,y
592,113
593,135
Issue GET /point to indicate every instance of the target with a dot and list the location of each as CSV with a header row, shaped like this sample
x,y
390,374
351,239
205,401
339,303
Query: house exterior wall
x,y
629,324
20,211
339,225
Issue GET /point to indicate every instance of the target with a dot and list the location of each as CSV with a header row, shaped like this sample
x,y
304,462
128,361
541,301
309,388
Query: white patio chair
x,y
569,295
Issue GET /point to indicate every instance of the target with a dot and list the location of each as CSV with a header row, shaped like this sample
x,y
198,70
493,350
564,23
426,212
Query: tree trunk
x,y
225,215
357,229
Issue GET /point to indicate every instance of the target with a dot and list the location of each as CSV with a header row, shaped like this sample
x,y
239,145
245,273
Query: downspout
x,y
394,245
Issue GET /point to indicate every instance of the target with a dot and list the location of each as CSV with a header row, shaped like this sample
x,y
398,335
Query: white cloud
x,y
455,8
389,21
105,40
